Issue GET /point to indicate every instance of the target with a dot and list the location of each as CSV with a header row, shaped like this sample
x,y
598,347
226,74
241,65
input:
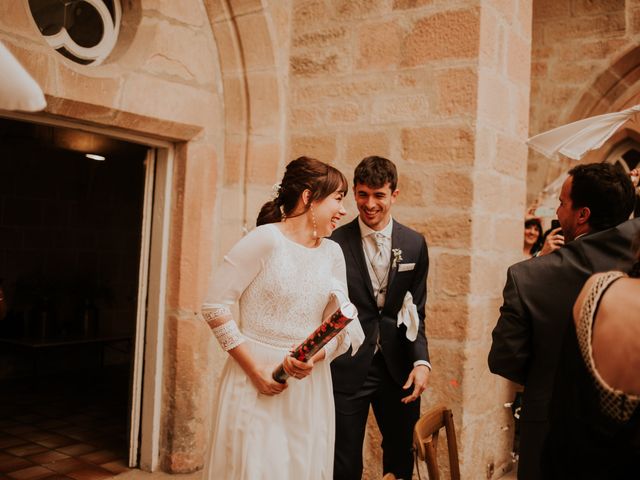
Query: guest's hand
x,y
553,242
297,369
419,378
262,379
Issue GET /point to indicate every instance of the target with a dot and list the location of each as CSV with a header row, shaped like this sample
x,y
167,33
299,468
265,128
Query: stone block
x,y
264,106
400,109
518,59
321,39
413,190
525,18
544,10
448,230
322,147
349,112
589,7
584,27
494,102
317,64
235,107
446,319
409,4
446,380
309,14
228,50
635,21
446,35
308,92
244,7
457,91
438,145
172,50
257,44
379,46
488,272
364,144
574,73
453,189
15,17
73,82
511,156
234,155
263,161
453,274
308,116
180,103
492,40
354,9
191,12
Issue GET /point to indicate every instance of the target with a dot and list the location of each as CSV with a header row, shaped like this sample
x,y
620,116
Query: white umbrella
x,y
18,90
575,139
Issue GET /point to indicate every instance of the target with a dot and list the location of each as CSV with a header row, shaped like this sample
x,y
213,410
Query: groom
x,y
387,265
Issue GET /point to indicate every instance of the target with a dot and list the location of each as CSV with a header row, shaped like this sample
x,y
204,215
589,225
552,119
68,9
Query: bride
x,y
283,274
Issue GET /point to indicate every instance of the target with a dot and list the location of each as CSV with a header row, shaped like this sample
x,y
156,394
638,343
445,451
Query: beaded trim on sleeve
x,y
216,314
616,404
228,335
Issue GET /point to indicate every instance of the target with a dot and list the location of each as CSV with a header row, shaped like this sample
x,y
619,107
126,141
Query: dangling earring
x,y
313,221
283,216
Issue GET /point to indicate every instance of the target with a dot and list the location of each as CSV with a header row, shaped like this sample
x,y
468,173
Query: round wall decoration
x,y
84,31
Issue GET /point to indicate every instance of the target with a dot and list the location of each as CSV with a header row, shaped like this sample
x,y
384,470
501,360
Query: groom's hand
x,y
419,378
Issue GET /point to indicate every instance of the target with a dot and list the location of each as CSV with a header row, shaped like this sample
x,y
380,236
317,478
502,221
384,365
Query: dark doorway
x,y
70,239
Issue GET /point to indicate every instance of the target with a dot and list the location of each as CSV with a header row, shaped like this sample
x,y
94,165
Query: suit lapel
x,y
355,244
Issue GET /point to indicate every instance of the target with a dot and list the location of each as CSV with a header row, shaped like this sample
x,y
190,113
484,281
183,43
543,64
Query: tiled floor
x,y
57,428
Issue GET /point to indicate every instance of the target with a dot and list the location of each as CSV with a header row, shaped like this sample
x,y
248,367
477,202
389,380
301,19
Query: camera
x,y
555,223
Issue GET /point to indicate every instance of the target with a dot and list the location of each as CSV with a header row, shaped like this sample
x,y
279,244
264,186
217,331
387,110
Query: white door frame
x,y
149,341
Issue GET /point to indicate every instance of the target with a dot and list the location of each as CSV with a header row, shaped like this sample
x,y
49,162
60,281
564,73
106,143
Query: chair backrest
x,y
425,441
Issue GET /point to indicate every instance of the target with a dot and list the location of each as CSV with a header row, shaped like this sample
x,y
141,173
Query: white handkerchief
x,y
403,267
408,316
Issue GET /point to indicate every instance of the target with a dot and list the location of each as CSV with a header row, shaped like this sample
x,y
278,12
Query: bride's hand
x,y
262,379
296,368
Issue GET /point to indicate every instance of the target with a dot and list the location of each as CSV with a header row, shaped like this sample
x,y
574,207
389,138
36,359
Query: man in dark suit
x,y
387,265
540,293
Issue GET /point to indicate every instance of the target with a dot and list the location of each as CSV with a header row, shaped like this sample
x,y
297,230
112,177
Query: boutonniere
x,y
397,257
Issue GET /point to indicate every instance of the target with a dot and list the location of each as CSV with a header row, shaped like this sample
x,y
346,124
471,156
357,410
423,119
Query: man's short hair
x,y
375,172
606,190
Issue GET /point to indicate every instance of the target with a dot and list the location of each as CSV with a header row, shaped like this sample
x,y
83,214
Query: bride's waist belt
x,y
272,340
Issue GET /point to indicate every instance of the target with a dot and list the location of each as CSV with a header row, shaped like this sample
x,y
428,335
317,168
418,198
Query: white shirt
x,y
370,240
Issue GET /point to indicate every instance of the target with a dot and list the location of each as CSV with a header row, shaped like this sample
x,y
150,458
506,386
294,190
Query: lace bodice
x,y
283,288
286,300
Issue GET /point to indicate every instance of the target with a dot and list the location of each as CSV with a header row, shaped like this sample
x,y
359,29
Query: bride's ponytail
x,y
269,213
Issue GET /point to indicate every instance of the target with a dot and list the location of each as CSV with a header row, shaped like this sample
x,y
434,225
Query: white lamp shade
x,y
18,90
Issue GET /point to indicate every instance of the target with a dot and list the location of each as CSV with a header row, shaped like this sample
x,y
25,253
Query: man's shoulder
x,y
340,234
408,232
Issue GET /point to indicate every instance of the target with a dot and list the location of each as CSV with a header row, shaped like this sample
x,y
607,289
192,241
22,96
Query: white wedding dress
x,y
283,289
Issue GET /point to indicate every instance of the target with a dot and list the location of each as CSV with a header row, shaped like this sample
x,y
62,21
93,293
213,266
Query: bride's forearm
x,y
242,355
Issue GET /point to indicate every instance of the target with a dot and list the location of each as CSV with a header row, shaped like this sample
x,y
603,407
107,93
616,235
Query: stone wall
x,y
584,59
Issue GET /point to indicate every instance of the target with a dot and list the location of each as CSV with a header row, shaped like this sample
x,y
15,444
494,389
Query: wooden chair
x,y
425,441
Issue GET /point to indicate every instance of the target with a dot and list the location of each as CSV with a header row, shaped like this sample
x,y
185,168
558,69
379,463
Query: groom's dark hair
x,y
375,172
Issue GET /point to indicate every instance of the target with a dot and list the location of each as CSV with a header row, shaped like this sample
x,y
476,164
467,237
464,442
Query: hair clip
x,y
275,190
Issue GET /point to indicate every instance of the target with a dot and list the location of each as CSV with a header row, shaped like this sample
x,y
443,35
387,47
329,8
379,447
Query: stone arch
x,y
252,82
614,89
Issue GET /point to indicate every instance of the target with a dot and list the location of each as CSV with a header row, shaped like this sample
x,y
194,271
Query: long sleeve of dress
x,y
240,267
353,335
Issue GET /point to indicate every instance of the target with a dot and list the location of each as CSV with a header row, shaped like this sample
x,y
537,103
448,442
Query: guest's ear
x,y
306,196
583,215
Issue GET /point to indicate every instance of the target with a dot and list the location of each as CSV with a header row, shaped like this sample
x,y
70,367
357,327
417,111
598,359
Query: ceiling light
x,y
94,156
